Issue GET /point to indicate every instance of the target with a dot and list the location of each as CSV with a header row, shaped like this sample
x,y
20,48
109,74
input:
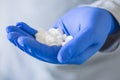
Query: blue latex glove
x,y
23,36
89,26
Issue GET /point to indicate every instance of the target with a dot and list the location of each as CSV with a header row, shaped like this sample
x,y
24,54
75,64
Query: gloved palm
x,y
89,27
23,36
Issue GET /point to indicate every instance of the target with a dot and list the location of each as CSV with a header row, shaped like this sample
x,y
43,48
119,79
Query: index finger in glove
x,y
25,27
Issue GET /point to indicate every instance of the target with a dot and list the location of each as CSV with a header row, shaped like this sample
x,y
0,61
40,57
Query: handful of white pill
x,y
52,37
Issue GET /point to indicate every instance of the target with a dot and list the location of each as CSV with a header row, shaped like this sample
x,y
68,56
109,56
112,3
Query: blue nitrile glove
x,y
23,36
89,27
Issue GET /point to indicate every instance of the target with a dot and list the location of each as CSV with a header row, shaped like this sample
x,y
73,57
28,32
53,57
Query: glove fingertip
x,y
9,36
25,27
18,24
9,28
13,36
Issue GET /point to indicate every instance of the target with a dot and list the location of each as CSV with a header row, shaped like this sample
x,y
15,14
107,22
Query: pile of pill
x,y
52,37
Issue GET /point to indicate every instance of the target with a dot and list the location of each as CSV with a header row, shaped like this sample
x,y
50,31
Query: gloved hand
x,y
23,36
89,27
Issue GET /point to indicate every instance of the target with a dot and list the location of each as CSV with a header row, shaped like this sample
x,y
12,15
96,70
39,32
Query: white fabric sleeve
x,y
111,5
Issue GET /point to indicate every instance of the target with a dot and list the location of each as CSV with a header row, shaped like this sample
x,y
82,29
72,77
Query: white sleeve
x,y
111,5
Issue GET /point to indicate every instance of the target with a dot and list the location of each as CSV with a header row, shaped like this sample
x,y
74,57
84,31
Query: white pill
x,y
40,36
52,37
68,38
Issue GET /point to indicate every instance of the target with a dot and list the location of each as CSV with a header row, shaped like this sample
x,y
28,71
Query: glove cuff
x,y
112,42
